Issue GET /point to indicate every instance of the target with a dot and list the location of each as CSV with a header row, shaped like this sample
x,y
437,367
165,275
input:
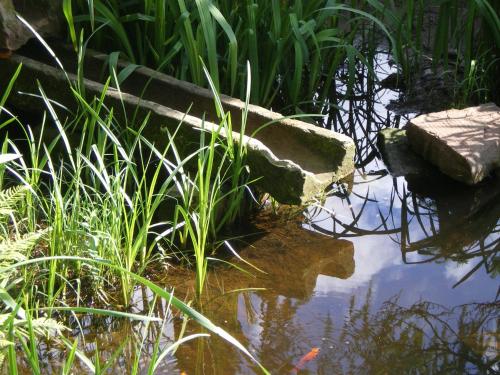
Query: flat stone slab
x,y
463,144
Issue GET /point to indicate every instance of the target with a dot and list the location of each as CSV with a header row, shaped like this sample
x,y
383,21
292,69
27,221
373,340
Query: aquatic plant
x,y
97,229
97,188
295,47
464,42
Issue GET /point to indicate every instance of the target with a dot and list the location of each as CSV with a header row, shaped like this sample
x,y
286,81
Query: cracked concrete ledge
x,y
292,160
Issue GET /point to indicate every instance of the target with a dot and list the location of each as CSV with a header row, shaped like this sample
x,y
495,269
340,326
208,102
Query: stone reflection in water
x,y
291,260
461,224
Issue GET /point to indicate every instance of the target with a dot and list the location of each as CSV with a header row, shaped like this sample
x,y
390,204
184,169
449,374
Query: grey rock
x,y
398,156
463,144
45,16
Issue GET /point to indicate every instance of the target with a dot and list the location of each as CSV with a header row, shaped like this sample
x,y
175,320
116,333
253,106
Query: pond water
x,y
392,274
407,284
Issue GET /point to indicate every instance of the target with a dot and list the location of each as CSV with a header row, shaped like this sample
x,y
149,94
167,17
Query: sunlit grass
x,y
294,47
94,194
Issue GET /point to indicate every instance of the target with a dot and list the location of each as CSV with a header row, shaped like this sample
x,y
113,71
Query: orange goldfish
x,y
305,359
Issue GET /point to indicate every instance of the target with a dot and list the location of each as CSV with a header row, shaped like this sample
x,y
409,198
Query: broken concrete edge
x,y
288,183
330,141
285,180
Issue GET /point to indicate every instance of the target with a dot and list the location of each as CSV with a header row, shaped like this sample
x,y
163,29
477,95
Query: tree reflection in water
x,y
429,216
461,225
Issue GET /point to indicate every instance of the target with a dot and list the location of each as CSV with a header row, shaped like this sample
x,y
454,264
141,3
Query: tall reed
x,y
293,47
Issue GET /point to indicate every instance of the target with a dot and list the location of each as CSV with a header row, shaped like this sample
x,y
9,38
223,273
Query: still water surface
x,y
405,284
395,273
392,274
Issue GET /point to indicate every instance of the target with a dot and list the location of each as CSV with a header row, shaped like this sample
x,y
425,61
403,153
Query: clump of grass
x,y
465,41
96,194
294,48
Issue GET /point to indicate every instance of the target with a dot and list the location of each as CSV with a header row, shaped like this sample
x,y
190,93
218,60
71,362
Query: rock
x,y
45,16
463,144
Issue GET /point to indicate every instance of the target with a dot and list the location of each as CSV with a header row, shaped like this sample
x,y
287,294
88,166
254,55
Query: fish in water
x,y
305,359
5,53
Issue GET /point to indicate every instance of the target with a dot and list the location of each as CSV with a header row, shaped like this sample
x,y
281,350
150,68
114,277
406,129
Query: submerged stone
x,y
45,16
463,144
399,157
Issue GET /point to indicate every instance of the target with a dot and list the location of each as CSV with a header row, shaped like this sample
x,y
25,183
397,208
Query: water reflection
x,y
394,273
361,112
430,224
422,338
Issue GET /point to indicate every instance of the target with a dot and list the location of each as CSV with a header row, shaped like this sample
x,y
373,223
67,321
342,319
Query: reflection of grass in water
x,y
424,337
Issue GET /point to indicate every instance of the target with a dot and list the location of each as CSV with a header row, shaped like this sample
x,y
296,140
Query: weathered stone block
x,y
463,144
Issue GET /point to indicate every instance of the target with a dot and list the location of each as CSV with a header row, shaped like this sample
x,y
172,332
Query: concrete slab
x,y
293,161
463,144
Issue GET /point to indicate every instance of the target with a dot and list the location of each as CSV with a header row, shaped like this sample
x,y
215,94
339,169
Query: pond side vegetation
x,y
296,47
87,205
